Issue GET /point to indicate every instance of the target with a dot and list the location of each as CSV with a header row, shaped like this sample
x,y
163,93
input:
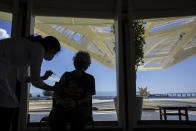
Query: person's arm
x,y
47,74
44,77
36,58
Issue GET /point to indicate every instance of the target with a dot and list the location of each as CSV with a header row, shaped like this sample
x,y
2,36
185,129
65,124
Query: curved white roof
x,y
169,41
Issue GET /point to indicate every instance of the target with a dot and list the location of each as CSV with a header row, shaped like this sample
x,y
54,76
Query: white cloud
x,y
3,34
53,79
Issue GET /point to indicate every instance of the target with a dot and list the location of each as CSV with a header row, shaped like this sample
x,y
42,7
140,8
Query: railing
x,y
174,95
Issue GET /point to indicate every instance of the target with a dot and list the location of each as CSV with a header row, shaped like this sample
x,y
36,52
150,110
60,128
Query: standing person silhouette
x,y
20,54
74,96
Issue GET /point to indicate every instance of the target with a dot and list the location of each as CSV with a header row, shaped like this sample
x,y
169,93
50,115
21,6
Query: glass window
x,y
166,80
92,35
5,25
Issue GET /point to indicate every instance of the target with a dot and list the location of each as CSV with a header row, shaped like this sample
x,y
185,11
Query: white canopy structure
x,y
93,35
168,40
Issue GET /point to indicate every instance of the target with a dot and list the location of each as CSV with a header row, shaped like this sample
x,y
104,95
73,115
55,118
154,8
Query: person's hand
x,y
48,73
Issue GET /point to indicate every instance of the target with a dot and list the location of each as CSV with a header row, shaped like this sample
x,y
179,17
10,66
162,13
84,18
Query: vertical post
x,y
186,114
130,68
160,112
125,59
165,113
179,114
120,66
22,26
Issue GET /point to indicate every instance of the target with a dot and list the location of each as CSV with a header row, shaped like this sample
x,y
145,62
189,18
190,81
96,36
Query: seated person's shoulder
x,y
66,74
89,76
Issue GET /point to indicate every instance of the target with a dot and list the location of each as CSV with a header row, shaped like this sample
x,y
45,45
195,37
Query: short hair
x,y
82,60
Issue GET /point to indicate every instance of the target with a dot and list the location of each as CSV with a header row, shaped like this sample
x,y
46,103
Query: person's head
x,y
52,47
82,60
50,44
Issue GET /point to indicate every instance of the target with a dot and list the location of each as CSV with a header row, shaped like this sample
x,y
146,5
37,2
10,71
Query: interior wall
x,y
86,8
6,5
106,8
163,8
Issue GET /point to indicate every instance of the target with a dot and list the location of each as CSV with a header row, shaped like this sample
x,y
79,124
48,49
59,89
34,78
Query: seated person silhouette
x,y
73,96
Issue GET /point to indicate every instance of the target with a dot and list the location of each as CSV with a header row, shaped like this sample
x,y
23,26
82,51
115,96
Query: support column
x,y
22,26
126,75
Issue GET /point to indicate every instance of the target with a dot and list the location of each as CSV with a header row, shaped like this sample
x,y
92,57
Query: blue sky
x,y
105,79
176,79
179,78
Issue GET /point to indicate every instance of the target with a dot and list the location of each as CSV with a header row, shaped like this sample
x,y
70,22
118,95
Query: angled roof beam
x,y
157,56
188,37
173,30
92,36
155,45
147,30
184,55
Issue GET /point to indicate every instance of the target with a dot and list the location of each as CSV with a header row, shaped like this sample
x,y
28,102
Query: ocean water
x,y
106,93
